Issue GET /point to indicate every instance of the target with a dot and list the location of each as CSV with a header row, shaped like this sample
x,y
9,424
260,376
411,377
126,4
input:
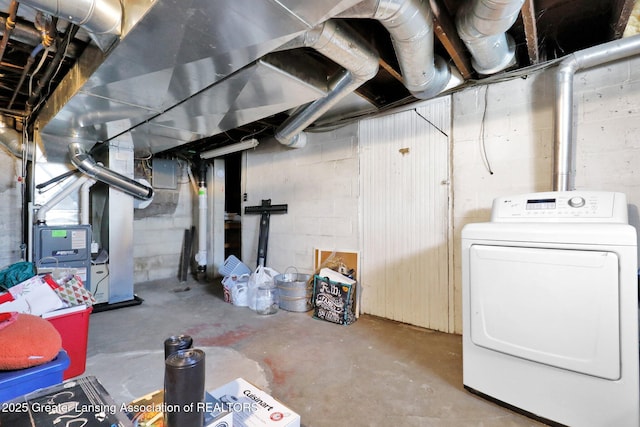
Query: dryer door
x,y
553,306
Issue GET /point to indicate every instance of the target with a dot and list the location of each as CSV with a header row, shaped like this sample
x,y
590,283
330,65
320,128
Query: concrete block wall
x,y
10,210
607,131
518,139
319,183
158,239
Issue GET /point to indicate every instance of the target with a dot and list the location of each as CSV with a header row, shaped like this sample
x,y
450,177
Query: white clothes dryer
x,y
550,308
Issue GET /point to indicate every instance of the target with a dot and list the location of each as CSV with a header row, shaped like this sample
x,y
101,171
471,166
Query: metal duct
x,y
95,16
482,26
344,46
12,140
563,127
410,24
85,163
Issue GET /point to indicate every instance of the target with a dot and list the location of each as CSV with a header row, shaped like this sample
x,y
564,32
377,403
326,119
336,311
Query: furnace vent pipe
x,y
482,26
410,24
201,256
82,182
95,16
345,47
85,163
564,150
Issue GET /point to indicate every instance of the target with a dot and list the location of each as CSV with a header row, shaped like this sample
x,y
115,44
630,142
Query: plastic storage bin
x,y
74,331
22,381
233,266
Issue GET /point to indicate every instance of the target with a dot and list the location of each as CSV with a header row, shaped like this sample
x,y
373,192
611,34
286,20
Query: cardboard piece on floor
x,y
252,407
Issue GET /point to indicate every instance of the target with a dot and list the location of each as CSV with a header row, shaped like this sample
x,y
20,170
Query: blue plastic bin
x,y
22,381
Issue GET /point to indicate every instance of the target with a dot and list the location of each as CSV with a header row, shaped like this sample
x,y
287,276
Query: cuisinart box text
x,y
252,407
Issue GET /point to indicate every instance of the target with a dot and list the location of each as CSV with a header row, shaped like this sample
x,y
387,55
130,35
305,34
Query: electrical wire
x,y
483,146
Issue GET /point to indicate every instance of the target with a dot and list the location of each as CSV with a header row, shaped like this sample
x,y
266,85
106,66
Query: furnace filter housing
x,y
184,377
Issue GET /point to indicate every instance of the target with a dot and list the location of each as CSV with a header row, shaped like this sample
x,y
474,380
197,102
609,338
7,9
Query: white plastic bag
x,y
263,276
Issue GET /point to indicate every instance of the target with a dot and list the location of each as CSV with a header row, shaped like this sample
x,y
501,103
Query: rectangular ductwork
x,y
181,71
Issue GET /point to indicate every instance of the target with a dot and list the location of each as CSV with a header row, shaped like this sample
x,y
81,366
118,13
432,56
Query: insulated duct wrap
x,y
12,140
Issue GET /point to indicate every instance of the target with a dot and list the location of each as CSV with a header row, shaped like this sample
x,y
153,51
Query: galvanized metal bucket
x,y
295,291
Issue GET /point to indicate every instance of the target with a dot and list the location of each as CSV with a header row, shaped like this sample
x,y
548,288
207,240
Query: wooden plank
x,y
445,29
620,17
531,31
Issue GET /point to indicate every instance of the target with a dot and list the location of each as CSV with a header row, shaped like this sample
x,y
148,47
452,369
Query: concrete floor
x,y
375,372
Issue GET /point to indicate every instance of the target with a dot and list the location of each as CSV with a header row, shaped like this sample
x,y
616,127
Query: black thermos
x,y
175,343
184,388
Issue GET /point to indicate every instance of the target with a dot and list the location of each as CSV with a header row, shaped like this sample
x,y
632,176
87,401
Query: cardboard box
x,y
252,407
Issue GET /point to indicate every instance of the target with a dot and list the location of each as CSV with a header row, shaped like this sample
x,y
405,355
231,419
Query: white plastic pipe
x,y
41,217
84,201
201,256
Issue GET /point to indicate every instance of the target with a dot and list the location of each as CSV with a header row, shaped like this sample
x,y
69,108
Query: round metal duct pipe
x,y
12,140
482,26
564,150
95,16
86,164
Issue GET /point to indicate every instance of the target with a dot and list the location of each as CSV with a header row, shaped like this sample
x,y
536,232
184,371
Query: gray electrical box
x,y
65,246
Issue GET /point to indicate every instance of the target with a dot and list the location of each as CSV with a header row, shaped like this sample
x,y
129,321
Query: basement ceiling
x,y
167,83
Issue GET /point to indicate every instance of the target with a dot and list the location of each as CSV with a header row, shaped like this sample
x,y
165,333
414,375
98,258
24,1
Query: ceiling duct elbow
x,y
482,26
410,25
345,47
95,16
86,164
12,140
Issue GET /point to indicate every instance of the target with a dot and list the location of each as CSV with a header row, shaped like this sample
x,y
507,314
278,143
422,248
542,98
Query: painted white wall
x,y
319,183
502,144
158,240
404,174
10,209
518,138
607,131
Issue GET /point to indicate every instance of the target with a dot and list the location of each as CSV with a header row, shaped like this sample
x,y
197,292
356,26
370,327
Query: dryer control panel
x,y
562,206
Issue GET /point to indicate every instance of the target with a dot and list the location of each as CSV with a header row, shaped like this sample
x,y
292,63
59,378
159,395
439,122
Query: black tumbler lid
x,y
177,339
185,358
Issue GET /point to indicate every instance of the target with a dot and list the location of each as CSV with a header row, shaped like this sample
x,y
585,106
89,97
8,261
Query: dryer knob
x,y
576,202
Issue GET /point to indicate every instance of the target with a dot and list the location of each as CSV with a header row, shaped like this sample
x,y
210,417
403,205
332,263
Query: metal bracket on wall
x,y
265,209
